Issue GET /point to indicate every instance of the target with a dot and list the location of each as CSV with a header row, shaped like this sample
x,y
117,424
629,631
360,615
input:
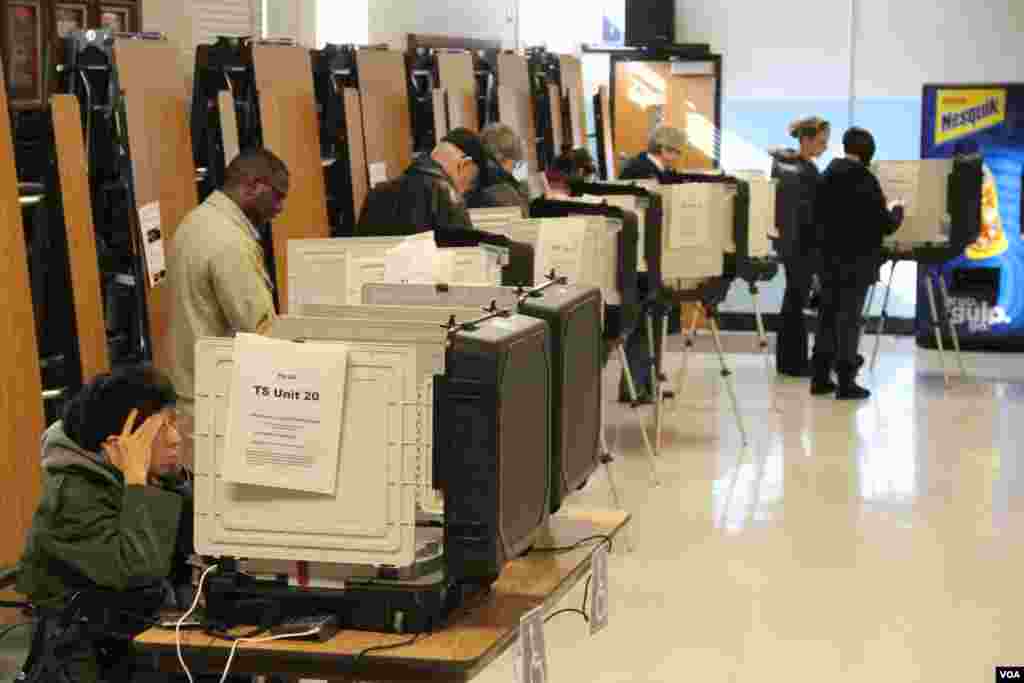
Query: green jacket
x,y
92,531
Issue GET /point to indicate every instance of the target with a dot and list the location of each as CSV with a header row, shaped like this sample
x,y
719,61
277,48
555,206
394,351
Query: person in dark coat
x,y
505,171
798,179
664,149
106,538
430,194
854,217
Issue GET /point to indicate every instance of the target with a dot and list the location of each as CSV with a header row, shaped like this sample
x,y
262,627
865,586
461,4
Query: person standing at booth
x,y
796,244
855,218
217,274
664,149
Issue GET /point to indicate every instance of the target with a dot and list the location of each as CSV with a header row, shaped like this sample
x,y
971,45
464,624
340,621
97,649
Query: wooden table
x,y
476,634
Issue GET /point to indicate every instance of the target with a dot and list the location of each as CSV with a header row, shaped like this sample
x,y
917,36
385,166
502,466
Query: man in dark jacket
x,y
104,536
502,178
852,212
664,149
430,194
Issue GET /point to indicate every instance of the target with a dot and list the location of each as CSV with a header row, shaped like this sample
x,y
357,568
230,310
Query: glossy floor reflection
x,y
875,541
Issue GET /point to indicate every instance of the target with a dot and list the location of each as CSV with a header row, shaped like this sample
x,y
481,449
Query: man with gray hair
x,y
505,172
664,149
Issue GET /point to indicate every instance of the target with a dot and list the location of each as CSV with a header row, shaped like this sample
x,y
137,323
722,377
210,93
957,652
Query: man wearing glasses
x,y
430,194
217,272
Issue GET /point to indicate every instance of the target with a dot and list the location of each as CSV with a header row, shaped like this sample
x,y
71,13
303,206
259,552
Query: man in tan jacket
x,y
218,278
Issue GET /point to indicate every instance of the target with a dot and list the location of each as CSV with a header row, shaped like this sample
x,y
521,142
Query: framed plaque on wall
x,y
25,52
69,17
117,18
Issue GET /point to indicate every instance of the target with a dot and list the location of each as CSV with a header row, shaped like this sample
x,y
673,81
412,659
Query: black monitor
x,y
492,444
573,315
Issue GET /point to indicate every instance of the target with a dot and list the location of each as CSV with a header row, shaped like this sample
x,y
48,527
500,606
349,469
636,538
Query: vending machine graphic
x,y
986,282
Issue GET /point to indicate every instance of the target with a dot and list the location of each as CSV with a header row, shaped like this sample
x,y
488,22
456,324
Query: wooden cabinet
x,y
30,33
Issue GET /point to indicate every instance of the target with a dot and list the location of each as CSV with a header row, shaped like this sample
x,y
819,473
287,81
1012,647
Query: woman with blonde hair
x,y
798,240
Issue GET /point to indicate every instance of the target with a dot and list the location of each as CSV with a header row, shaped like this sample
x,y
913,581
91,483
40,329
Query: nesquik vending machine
x,y
986,282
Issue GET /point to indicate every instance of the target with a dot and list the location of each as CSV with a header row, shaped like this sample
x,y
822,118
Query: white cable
x,y
185,616
283,636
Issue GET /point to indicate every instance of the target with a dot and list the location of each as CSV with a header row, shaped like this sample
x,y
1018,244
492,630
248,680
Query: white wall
x,y
791,48
294,19
390,21
903,45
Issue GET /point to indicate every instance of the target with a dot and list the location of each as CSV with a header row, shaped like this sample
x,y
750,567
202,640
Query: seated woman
x,y
107,524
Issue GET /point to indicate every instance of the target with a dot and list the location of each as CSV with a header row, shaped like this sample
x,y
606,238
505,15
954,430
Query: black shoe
x,y
848,389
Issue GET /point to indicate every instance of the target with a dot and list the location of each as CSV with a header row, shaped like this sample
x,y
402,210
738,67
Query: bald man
x,y
217,274
430,194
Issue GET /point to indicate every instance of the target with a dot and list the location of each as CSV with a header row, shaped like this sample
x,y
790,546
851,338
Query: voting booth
x,y
312,448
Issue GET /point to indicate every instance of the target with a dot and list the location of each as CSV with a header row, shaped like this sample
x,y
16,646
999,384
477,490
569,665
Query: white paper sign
x,y
414,260
599,590
285,414
689,219
531,662
153,242
378,173
560,247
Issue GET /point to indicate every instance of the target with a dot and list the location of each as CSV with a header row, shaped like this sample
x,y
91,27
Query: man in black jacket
x,y
502,178
851,209
430,194
664,148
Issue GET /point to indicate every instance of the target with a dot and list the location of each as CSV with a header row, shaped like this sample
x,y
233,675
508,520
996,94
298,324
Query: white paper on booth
x,y
560,247
285,414
414,260
153,241
899,180
378,173
689,216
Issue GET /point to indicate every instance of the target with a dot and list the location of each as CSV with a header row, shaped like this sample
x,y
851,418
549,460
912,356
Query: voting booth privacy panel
x,y
986,281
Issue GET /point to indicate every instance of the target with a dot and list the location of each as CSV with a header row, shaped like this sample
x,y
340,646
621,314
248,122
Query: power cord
x,y
184,617
575,546
267,639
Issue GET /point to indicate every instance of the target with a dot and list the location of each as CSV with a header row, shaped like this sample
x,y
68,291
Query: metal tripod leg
x,y
936,325
659,406
762,336
944,292
631,386
884,316
607,458
688,336
727,374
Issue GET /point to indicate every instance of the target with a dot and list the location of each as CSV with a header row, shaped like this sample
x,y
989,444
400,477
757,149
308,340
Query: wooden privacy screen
x,y
356,149
284,82
387,122
572,89
455,71
21,391
81,236
228,125
515,102
557,129
440,102
160,143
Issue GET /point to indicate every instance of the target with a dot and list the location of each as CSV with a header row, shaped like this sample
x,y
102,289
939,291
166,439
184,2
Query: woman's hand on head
x,y
131,451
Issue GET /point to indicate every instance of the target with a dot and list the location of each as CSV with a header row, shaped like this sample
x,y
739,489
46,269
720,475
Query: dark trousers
x,y
638,352
791,345
839,320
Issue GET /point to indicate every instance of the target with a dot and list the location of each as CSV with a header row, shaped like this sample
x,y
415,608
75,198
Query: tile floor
x,y
875,541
